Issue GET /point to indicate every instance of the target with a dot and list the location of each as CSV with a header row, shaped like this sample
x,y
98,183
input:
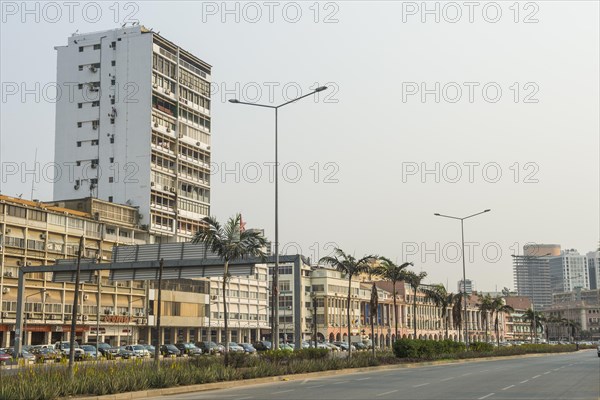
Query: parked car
x,y
189,348
360,346
169,350
332,346
344,346
286,347
111,352
102,347
25,355
236,348
4,357
598,351
138,350
248,348
208,347
125,353
151,349
44,354
90,351
65,347
263,345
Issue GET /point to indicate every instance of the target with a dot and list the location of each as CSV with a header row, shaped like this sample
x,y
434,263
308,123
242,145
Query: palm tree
x,y
414,280
457,312
534,318
230,242
393,273
442,299
485,307
350,266
498,306
374,304
574,327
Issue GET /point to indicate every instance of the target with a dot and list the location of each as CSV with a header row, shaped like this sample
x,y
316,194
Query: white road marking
x,y
547,372
245,398
422,384
526,380
363,379
537,376
337,383
383,394
467,374
312,387
447,379
508,387
283,391
486,396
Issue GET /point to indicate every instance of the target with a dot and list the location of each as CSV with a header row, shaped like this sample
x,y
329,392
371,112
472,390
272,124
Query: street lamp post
x,y
45,294
274,294
462,232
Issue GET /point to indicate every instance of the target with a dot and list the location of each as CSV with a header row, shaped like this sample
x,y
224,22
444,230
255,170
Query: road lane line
x,y
537,376
313,387
422,384
363,379
245,398
337,383
508,387
447,379
283,391
547,372
467,374
526,380
383,394
486,396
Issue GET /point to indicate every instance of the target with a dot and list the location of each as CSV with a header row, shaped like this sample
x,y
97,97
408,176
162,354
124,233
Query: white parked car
x,y
236,348
138,350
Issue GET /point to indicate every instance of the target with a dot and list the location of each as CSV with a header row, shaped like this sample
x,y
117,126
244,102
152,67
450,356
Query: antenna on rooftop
x,y
34,174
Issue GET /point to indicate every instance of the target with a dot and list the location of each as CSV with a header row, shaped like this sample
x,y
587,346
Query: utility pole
x,y
315,319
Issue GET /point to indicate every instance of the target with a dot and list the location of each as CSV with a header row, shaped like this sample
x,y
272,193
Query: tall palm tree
x,y
574,326
498,306
350,266
457,312
535,319
442,299
393,273
414,280
485,307
374,305
230,242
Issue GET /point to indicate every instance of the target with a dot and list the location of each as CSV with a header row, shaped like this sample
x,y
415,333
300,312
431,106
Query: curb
x,y
203,387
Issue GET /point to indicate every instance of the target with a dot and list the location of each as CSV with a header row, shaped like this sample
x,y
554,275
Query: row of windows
x,y
195,83
191,206
194,153
194,117
194,97
159,120
164,66
194,133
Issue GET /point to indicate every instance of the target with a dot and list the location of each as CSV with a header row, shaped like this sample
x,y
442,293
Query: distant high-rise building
x,y
469,287
569,271
593,260
531,273
135,128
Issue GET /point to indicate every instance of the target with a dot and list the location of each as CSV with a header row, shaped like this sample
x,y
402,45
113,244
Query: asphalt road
x,y
573,376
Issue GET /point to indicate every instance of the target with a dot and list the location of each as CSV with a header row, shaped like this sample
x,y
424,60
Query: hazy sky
x,y
467,107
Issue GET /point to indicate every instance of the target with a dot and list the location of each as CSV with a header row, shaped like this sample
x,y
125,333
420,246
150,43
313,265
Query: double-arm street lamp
x,y
462,231
274,293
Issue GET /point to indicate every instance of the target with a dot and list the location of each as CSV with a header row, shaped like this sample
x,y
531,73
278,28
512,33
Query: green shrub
x,y
481,347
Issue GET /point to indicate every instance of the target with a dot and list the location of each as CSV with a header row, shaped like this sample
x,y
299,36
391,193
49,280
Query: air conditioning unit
x,y
95,127
29,315
68,317
85,317
4,315
76,187
155,86
165,188
5,290
198,144
172,190
152,183
144,227
42,236
181,135
8,230
168,129
28,263
94,166
8,274
86,296
167,91
144,321
93,69
156,124
19,263
207,147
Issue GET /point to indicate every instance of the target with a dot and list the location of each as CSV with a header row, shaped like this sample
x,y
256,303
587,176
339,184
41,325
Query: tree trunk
x,y
497,327
225,314
372,330
349,292
446,322
395,311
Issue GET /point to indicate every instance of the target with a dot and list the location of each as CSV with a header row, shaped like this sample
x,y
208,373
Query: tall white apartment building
x,y
568,271
133,127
